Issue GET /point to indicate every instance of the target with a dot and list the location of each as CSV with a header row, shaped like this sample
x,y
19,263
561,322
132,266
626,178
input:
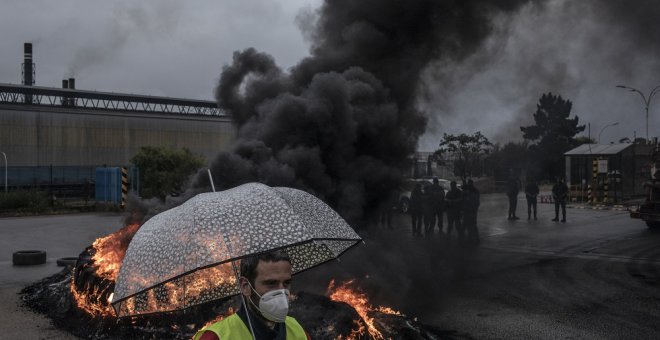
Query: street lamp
x,y
5,156
647,102
605,127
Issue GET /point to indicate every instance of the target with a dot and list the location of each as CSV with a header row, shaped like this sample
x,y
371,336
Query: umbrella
x,y
185,256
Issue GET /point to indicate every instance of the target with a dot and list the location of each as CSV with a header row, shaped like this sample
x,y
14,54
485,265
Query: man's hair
x,y
249,264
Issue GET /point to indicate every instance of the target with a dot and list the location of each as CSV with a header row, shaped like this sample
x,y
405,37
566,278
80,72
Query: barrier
x,y
546,199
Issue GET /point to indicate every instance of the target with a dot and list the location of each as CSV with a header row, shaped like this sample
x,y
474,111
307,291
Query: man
x,y
428,210
415,209
531,192
454,202
437,204
471,204
512,189
264,283
559,193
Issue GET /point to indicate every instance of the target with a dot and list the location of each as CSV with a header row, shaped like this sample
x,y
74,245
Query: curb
x,y
616,207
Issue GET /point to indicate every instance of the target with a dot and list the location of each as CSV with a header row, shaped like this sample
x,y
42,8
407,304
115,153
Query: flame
x,y
90,303
110,251
359,301
108,255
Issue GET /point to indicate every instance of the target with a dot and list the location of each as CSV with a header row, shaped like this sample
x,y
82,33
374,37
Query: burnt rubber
x,y
29,257
67,261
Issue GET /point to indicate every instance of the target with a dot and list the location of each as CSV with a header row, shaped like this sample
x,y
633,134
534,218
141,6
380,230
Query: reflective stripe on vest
x,y
233,328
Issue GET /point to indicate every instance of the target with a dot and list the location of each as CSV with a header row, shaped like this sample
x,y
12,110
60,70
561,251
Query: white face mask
x,y
273,305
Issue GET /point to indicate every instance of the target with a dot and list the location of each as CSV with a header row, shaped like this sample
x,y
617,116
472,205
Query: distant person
x,y
428,210
454,205
437,205
415,209
560,194
531,193
512,190
471,204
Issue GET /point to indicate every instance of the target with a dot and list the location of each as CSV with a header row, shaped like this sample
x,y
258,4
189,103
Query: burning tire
x,y
29,257
67,261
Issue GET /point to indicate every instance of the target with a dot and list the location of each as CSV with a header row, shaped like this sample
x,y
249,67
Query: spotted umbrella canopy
x,y
183,256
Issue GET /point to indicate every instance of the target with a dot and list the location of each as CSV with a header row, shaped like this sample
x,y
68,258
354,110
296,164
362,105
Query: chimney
x,y
28,70
65,85
28,66
72,86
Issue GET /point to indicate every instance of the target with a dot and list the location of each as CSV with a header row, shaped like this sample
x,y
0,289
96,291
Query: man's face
x,y
270,276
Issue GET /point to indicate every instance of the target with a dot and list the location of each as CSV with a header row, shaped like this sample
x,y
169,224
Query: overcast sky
x,y
578,49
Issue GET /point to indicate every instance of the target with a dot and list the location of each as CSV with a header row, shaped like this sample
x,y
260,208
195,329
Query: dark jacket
x,y
559,191
512,186
454,201
437,196
416,201
531,191
471,200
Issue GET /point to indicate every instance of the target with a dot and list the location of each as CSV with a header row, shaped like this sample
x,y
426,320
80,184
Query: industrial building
x,y
52,134
608,173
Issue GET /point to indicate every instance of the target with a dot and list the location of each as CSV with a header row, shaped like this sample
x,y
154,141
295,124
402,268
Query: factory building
x,y
47,131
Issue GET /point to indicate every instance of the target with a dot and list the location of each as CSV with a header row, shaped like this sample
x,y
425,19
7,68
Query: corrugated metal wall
x,y
40,136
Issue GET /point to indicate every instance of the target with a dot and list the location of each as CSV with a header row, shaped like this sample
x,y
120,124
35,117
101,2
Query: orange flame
x,y
108,255
110,251
359,301
90,303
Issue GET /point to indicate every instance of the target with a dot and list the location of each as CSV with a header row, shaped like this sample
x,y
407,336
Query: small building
x,y
609,172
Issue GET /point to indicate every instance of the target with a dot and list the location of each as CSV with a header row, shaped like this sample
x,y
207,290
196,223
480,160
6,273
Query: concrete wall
x,y
40,136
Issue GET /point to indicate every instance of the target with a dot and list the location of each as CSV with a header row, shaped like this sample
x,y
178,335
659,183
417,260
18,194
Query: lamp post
x,y
605,127
647,102
5,156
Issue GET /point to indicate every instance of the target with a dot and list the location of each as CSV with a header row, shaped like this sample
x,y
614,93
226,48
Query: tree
x,y
505,157
467,150
552,135
163,171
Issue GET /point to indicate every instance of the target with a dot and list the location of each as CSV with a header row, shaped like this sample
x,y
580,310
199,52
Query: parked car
x,y
409,184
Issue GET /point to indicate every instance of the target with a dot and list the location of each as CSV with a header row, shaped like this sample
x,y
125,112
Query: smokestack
x,y
65,85
28,66
72,86
28,70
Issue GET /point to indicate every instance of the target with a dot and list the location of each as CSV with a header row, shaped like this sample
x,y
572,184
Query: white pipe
x,y
211,179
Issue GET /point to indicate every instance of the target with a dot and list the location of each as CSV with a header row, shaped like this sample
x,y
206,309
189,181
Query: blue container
x,y
108,185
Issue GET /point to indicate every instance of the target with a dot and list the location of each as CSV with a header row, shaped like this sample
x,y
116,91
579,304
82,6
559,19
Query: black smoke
x,y
343,122
579,49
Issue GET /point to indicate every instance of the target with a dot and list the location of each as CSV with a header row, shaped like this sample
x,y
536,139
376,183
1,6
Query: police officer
x,y
531,192
437,204
471,204
415,209
454,205
560,193
512,189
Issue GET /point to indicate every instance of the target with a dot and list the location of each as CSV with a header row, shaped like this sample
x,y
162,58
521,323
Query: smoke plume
x,y
580,50
344,121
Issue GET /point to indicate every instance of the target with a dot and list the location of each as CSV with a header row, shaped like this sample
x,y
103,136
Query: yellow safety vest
x,y
233,328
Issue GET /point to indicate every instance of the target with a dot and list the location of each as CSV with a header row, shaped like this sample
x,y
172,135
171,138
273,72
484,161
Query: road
x,y
60,236
595,277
